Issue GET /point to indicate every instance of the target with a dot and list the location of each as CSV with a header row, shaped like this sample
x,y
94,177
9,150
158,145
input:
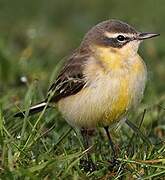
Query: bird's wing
x,y
70,80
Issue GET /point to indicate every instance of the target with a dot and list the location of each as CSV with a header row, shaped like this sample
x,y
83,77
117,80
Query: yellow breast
x,y
121,103
108,95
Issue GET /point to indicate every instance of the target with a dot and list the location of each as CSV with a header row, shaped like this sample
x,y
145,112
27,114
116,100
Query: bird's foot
x,y
88,165
114,164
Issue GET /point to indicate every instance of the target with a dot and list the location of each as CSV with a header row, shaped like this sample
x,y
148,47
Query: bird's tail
x,y
33,110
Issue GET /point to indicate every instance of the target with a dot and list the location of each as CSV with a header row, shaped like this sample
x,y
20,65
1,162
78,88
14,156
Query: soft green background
x,y
51,29
34,37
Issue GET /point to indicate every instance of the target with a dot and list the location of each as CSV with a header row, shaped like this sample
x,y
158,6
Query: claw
x,y
87,165
114,164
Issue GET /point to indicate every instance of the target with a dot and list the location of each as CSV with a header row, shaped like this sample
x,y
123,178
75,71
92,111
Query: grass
x,y
44,146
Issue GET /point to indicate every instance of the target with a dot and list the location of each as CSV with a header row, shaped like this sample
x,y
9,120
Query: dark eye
x,y
120,38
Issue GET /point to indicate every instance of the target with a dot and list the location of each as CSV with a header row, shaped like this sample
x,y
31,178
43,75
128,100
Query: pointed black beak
x,y
146,35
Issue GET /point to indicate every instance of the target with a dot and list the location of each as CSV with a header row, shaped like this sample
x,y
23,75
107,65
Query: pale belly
x,y
104,102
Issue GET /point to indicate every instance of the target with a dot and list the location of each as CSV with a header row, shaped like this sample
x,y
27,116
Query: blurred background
x,y
36,35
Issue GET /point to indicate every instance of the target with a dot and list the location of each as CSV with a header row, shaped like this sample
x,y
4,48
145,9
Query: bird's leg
x,y
114,158
87,164
84,133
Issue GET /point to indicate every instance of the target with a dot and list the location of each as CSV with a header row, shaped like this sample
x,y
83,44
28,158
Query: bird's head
x,y
116,37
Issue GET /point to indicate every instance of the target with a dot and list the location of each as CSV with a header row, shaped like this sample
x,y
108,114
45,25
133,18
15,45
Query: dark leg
x,y
114,161
84,133
87,163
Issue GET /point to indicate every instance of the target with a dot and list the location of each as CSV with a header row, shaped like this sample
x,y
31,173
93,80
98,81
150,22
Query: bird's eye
x,y
120,38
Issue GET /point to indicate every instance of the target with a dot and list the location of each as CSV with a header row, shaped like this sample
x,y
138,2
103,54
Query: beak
x,y
146,35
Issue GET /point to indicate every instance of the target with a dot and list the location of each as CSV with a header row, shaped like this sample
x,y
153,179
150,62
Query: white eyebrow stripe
x,y
114,35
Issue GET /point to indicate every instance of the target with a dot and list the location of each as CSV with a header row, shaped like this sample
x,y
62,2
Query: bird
x,y
102,80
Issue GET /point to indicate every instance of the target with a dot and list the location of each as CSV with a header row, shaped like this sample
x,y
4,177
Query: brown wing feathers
x,y
70,81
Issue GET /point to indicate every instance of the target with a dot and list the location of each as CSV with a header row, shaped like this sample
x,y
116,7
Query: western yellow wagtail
x,y
102,79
